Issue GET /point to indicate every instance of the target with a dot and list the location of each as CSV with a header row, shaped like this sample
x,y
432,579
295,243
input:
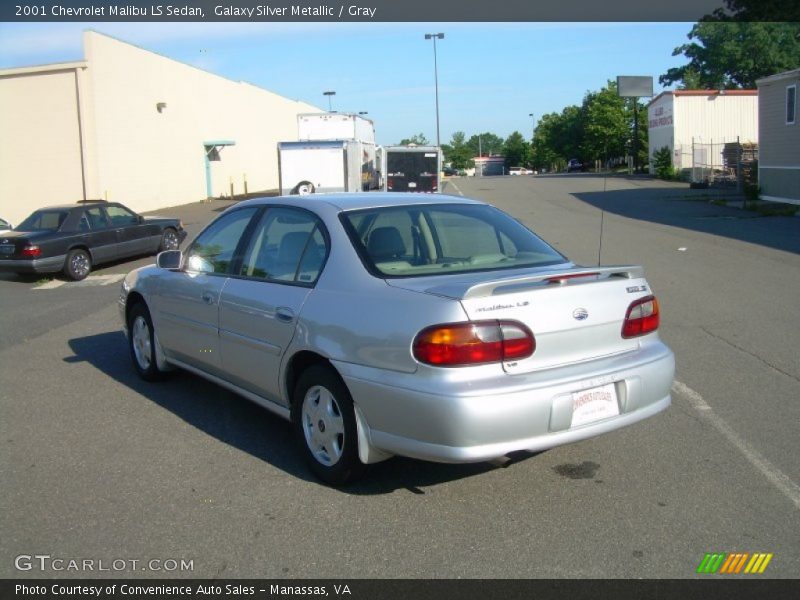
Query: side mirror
x,y
169,259
139,219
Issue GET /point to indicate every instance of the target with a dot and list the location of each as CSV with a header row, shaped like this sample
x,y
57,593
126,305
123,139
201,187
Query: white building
x,y
131,126
702,121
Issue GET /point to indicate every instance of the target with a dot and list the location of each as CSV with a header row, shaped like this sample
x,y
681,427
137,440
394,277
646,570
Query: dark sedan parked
x,y
71,238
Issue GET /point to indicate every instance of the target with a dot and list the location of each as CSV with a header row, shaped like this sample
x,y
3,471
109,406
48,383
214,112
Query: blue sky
x,y
491,75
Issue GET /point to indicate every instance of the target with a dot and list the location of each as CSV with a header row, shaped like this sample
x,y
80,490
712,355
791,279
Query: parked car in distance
x,y
5,226
73,238
519,171
438,328
450,171
574,165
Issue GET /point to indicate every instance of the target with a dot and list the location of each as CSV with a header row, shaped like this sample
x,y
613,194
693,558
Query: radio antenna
x,y
602,217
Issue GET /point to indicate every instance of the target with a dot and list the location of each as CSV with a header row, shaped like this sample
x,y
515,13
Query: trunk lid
x,y
12,242
575,313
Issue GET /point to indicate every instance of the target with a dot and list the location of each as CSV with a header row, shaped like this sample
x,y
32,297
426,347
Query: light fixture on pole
x,y
329,94
434,37
363,112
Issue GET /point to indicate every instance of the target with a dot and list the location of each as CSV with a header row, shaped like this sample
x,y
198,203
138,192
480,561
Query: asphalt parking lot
x,y
97,464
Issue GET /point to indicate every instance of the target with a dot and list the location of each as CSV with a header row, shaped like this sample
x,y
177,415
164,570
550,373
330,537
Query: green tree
x,y
730,54
608,126
662,162
457,153
418,139
484,144
517,150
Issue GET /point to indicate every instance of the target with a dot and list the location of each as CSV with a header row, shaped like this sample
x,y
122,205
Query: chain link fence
x,y
718,163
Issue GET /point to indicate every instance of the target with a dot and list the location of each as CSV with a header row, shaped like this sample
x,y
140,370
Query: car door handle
x,y
286,315
208,297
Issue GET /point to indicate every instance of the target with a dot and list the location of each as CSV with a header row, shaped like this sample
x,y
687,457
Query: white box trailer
x,y
412,168
335,126
319,166
344,126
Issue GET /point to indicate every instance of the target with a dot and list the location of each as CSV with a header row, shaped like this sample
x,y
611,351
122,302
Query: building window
x,y
791,104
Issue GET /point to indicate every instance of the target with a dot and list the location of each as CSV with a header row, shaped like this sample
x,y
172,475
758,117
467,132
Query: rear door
x,y
261,303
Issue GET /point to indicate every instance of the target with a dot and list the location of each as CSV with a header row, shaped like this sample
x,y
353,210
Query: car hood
x,y
159,219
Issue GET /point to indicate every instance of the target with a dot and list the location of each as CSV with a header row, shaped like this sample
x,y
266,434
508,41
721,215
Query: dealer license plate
x,y
594,404
412,184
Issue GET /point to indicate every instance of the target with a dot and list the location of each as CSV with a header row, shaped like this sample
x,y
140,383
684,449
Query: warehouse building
x,y
779,160
131,126
696,125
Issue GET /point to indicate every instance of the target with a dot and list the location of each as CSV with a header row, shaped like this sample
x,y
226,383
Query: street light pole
x,y
434,37
329,94
533,126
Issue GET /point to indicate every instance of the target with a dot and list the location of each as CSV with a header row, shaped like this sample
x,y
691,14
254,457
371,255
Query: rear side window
x,y
420,240
44,220
214,250
286,246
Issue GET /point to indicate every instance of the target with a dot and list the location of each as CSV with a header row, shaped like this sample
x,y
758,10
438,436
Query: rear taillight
x,y
642,317
475,343
32,251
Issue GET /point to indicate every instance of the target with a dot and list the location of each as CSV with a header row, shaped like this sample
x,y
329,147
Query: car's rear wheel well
x,y
299,363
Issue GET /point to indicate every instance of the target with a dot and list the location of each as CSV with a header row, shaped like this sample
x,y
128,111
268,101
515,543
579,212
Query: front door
x,y
187,301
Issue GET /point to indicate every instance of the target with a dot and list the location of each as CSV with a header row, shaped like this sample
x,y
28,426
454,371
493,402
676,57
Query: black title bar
x,y
357,11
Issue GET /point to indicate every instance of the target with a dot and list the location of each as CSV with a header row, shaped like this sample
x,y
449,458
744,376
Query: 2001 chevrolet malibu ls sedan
x,y
437,328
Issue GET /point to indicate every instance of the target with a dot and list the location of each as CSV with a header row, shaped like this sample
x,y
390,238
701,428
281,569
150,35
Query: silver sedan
x,y
433,327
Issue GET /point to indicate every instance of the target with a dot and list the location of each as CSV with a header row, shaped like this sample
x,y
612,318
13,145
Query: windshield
x,y
411,241
44,220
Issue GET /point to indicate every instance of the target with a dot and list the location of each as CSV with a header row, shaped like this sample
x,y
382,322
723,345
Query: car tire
x,y
324,420
78,264
141,343
169,240
303,188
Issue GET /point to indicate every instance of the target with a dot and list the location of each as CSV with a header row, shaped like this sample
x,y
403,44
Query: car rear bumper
x,y
34,265
526,412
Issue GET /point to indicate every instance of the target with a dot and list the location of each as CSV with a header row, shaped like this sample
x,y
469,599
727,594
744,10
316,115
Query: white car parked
x,y
519,171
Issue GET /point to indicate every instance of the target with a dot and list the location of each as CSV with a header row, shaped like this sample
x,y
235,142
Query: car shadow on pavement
x,y
246,426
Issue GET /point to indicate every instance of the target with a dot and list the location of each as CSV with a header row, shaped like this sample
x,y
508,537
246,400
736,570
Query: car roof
x,y
357,201
78,205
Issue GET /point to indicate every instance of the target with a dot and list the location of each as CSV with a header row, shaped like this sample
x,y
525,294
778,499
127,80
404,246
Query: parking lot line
x,y
777,477
92,280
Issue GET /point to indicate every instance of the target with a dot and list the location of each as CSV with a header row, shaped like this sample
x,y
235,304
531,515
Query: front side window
x,y
91,219
286,246
214,250
410,241
791,104
121,217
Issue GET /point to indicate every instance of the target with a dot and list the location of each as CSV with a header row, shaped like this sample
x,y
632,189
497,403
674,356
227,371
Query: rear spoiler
x,y
546,278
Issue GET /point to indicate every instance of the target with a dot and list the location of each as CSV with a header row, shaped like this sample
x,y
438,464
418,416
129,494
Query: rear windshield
x,y
413,241
44,220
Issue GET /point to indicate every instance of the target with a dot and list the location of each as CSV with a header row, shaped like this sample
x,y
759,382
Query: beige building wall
x,y
93,129
40,151
148,158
